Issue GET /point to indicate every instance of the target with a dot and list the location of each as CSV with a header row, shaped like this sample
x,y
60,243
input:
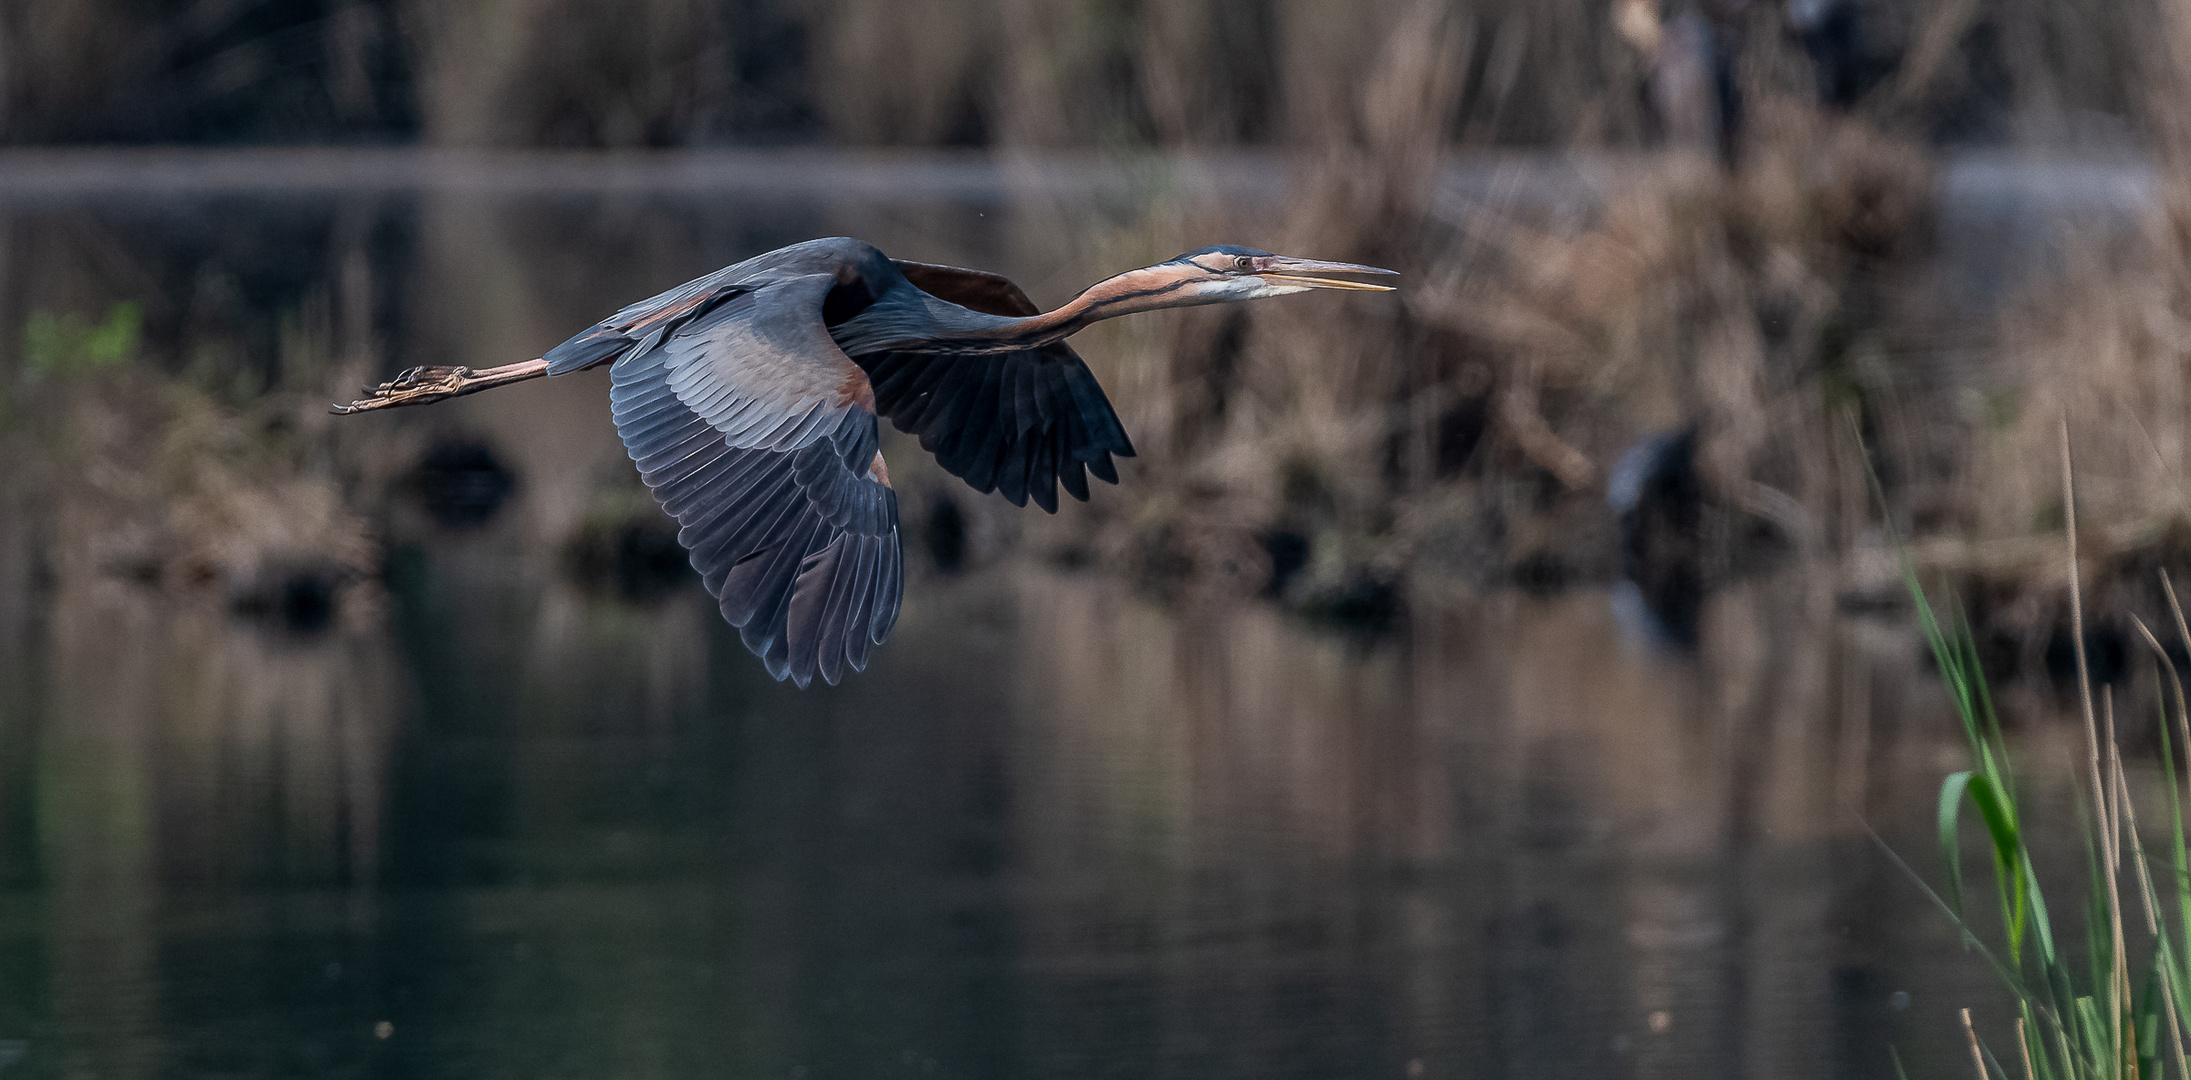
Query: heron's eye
x,y
1243,263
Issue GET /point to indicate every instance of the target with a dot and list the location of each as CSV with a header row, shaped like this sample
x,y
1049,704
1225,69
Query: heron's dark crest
x,y
1219,249
750,400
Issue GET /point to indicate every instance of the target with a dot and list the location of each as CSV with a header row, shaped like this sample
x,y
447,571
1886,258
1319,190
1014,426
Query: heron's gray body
x,y
749,401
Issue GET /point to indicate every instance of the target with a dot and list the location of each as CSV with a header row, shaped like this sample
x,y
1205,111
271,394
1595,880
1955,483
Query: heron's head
x,y
1212,275
1231,272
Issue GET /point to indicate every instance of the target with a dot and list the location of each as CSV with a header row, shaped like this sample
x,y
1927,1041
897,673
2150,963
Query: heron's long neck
x,y
941,324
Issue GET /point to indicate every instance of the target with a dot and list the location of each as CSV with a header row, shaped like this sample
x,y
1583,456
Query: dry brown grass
x,y
2103,341
1693,296
143,481
1469,427
569,72
1015,73
1280,417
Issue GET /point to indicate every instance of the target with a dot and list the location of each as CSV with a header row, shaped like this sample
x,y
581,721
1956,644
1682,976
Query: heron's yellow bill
x,y
1291,271
1326,283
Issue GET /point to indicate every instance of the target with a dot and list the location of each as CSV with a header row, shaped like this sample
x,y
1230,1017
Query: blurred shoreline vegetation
x,y
1755,262
1756,289
62,345
1031,73
189,483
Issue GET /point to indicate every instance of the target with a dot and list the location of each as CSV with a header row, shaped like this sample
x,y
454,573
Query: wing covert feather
x,y
751,427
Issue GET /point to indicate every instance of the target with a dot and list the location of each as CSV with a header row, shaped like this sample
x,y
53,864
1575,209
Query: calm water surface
x,y
479,814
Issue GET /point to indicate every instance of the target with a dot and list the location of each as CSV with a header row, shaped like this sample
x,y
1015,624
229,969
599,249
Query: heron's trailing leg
x,y
424,385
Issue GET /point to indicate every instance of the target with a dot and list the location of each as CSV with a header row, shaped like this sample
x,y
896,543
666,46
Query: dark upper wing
x,y
756,433
992,294
1018,423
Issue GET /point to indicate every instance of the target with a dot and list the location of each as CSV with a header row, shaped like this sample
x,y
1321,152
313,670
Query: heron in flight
x,y
749,400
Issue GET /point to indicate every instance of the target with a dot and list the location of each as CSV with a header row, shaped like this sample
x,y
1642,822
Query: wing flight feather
x,y
740,413
1018,423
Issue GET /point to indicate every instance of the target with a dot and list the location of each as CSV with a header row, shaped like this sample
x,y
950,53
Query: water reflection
x,y
503,815
548,842
1469,843
172,754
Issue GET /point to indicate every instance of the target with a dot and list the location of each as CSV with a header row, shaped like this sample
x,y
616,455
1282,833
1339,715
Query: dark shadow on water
x,y
1655,489
300,600
944,534
637,560
463,483
1289,555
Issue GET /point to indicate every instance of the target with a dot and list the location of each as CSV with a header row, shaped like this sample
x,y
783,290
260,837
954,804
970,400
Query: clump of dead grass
x,y
1279,419
2105,341
1005,73
148,482
1732,300
1471,424
1526,354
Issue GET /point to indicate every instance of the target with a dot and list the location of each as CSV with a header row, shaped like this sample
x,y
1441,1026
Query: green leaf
x,y
63,345
2008,853
1951,847
114,340
2039,920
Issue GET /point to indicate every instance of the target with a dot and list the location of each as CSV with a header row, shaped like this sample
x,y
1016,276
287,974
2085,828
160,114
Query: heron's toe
x,y
415,386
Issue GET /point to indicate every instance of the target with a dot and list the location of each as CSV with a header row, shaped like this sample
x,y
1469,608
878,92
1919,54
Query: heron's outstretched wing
x,y
759,436
800,548
1017,423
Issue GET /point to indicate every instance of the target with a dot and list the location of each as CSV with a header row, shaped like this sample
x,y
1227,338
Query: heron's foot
x,y
418,386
